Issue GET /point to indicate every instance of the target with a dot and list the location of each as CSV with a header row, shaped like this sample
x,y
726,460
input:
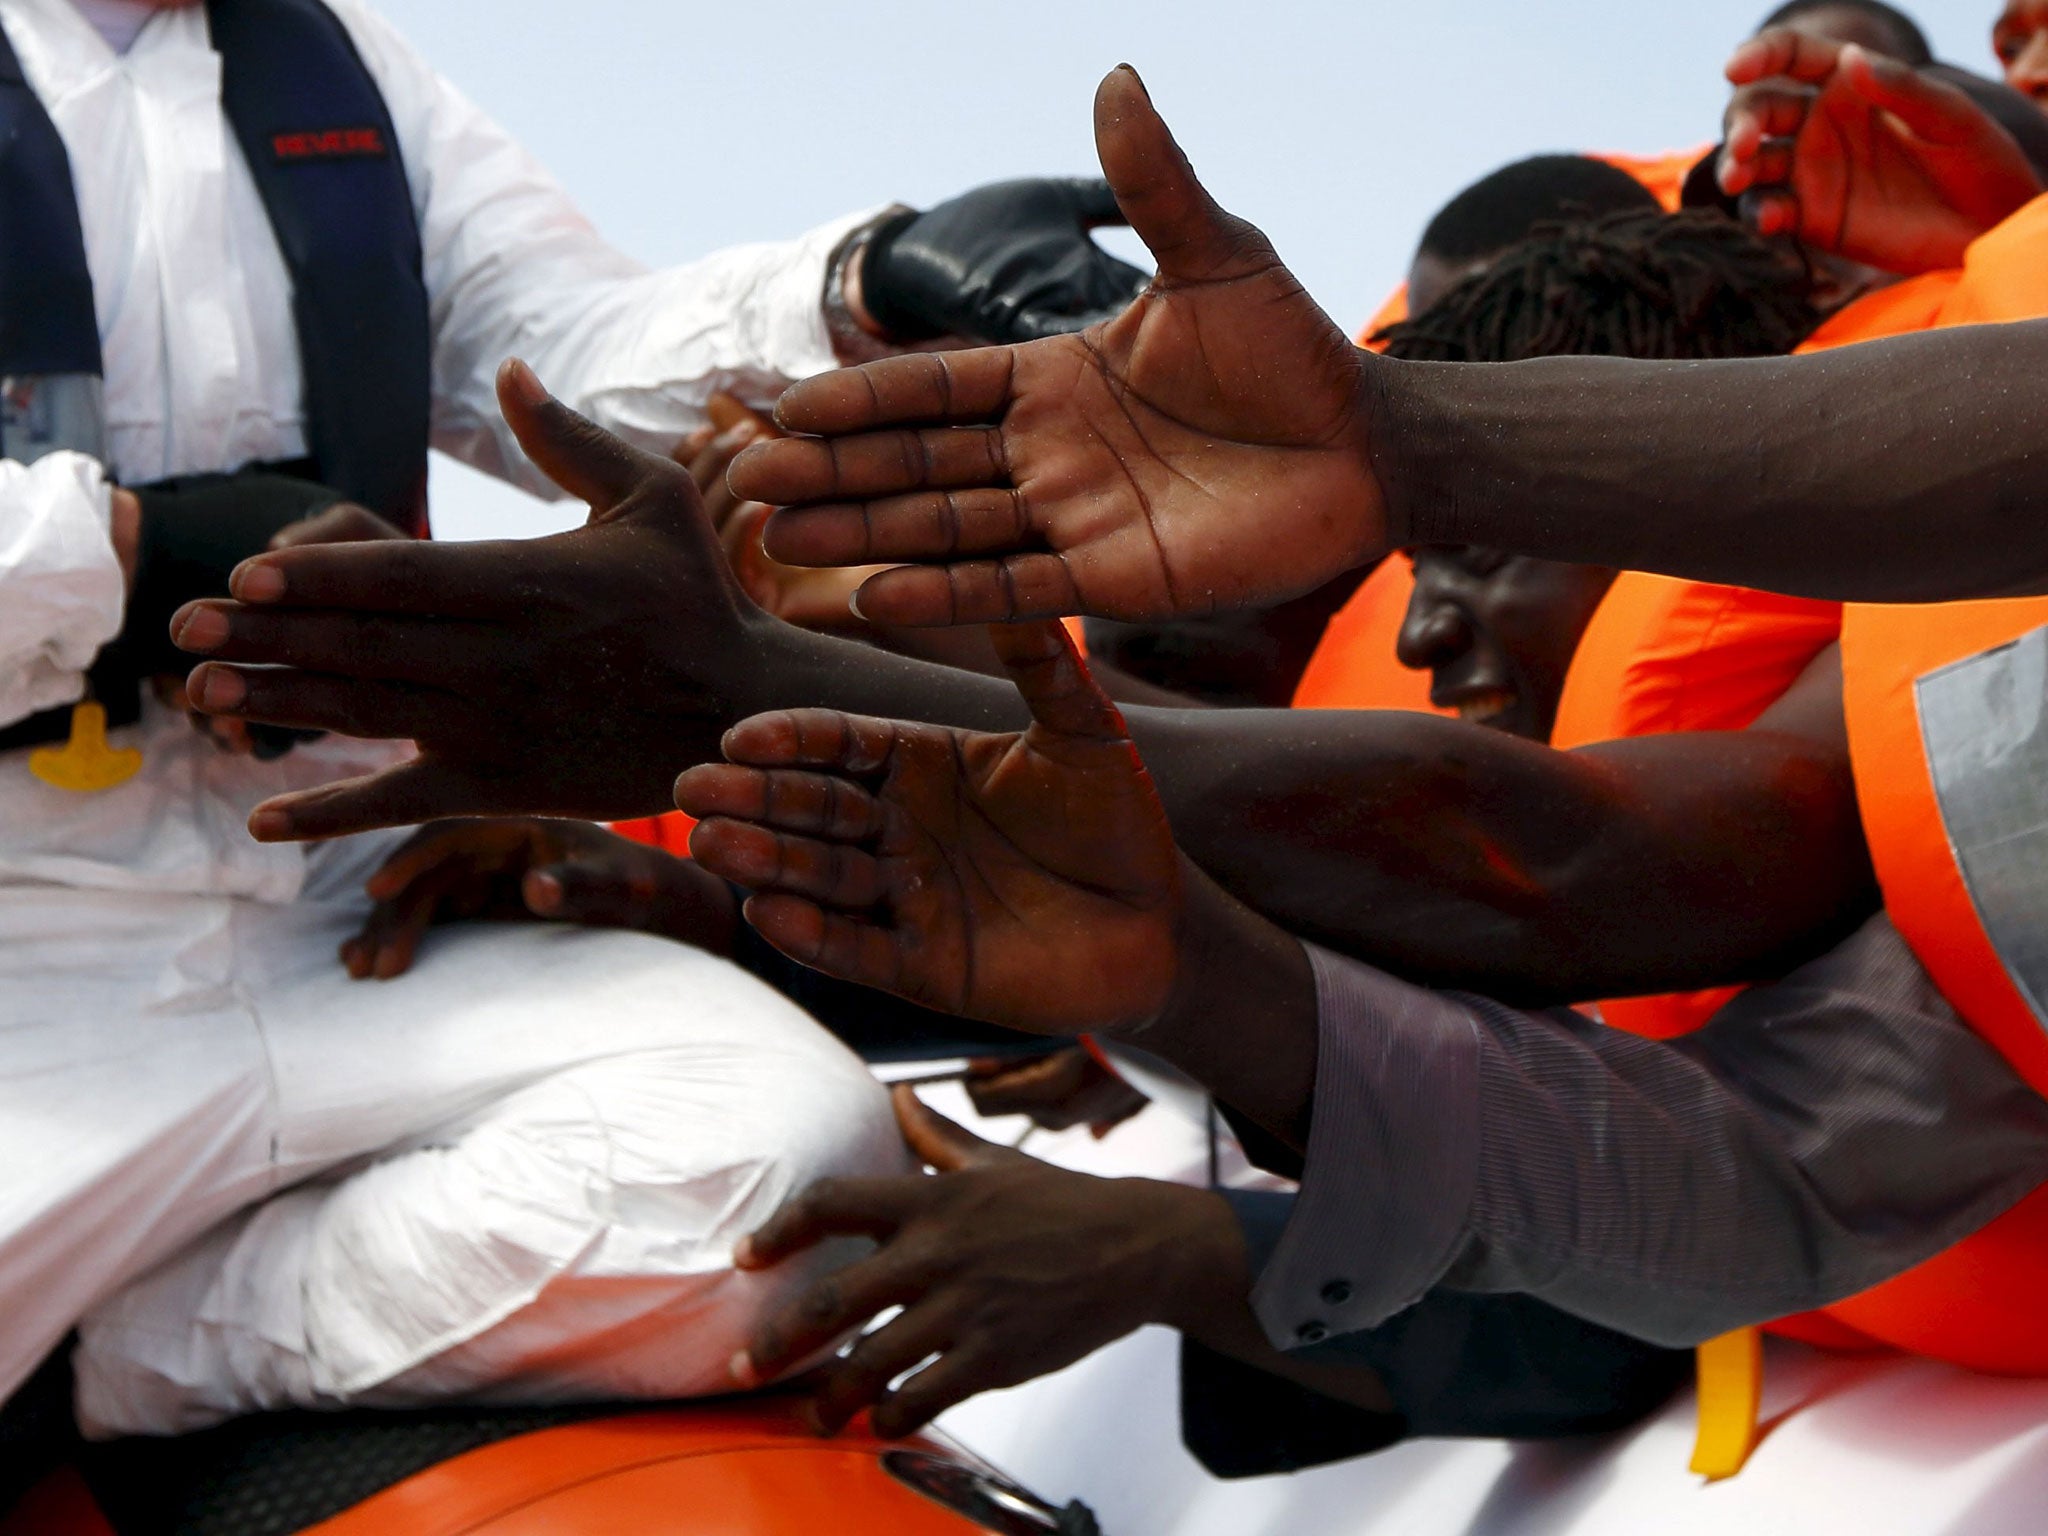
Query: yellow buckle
x,y
85,764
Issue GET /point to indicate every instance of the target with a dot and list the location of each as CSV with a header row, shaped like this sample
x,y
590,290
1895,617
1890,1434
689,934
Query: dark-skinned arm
x,y
1220,445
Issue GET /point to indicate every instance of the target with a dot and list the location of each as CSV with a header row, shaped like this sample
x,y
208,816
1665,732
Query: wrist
x,y
1402,415
1205,1269
1242,1016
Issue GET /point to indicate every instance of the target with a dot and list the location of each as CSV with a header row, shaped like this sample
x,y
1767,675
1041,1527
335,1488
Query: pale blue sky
x,y
1338,126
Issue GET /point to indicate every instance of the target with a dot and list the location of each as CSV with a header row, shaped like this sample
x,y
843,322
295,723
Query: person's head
x,y
1503,208
1497,631
2020,39
1869,23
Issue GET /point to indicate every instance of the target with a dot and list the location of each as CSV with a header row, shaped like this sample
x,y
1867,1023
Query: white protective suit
x,y
529,1159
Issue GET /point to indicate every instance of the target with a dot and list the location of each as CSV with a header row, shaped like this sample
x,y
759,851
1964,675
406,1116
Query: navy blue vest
x,y
319,142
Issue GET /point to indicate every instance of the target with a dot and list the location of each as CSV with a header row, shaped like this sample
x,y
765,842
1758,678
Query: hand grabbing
x,y
526,868
1863,157
1006,1269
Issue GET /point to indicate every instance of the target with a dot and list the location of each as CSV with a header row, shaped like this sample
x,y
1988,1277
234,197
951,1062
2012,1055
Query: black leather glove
x,y
1007,262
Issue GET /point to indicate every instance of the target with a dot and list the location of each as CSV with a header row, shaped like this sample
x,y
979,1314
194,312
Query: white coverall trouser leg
x,y
515,1174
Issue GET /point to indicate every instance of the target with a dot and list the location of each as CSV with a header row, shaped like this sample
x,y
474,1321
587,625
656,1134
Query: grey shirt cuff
x,y
1392,1160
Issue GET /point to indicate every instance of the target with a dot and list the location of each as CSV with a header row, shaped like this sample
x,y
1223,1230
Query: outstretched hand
x,y
562,676
529,868
1205,449
1864,157
1006,1268
1028,879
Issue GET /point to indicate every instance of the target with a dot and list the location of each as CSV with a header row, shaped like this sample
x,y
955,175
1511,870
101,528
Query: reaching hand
x,y
562,676
1862,156
1027,879
1006,1269
1059,1091
799,595
1205,449
345,522
557,871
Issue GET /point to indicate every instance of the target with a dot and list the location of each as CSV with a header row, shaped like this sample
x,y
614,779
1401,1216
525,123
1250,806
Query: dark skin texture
x,y
2020,39
943,866
1019,492
1496,632
523,869
1007,1268
1859,156
1441,850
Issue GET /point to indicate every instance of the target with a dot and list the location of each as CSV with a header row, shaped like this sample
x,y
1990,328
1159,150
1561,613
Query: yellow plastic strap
x,y
1731,1384
85,764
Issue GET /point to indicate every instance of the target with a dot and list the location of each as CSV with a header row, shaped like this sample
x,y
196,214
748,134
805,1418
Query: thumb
x,y
938,1142
1062,694
1192,239
570,449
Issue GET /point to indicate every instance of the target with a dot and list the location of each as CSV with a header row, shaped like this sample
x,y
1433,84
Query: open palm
x,y
1027,878
1205,449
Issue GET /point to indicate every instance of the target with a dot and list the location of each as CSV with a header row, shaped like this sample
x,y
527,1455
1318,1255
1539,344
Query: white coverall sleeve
x,y
62,594
514,269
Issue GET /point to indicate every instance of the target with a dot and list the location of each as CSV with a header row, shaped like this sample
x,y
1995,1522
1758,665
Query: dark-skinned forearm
x,y
1905,470
1467,858
1456,855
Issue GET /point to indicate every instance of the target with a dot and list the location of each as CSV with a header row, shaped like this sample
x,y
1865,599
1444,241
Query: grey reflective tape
x,y
1984,724
45,412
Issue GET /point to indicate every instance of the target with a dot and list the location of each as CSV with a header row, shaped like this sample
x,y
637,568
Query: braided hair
x,y
1637,284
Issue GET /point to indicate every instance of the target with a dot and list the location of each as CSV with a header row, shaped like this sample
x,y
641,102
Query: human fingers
x,y
916,388
941,1143
1023,1087
860,1378
570,449
408,794
844,1207
468,580
391,935
817,804
1931,109
597,895
430,848
1009,590
1759,118
925,525
958,1374
814,738
764,859
1783,51
823,1313
1057,687
868,466
343,523
1191,238
389,647
370,709
835,944
1771,212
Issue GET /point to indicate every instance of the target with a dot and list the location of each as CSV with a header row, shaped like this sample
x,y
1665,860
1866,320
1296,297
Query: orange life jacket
x,y
1662,656
1980,1302
1354,665
1664,176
